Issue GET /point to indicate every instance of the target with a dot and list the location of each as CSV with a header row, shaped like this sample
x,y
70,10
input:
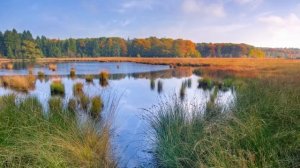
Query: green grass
x,y
261,130
57,88
28,138
205,83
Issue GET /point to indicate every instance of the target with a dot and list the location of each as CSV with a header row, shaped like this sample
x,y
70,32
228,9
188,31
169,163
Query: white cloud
x,y
253,3
200,7
136,4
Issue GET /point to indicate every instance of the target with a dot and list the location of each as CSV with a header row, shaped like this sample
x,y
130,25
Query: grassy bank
x,y
248,67
261,130
29,138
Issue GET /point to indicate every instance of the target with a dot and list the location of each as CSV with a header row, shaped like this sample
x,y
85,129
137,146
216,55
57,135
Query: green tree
x,y
30,50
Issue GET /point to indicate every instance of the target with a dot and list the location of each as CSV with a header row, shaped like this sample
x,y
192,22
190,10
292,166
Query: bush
x,y
89,78
57,88
96,106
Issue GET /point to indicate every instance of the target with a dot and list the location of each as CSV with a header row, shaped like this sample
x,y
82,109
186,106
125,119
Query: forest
x,y
23,45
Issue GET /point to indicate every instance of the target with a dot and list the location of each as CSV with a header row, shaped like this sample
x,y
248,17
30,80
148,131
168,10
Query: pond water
x,y
132,83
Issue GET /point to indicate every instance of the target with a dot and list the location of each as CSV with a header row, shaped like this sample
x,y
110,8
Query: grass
x,y
78,88
89,78
205,83
72,73
9,66
96,106
19,83
29,139
52,67
41,75
159,86
261,130
103,78
57,88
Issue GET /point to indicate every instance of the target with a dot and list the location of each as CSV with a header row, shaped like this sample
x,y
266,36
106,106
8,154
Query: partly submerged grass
x,y
261,130
29,139
19,83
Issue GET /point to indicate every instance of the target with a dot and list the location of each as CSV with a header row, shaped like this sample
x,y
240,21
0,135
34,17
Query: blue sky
x,y
270,23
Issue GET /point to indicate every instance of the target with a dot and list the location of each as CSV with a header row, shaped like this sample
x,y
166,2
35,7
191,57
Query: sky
x,y
262,23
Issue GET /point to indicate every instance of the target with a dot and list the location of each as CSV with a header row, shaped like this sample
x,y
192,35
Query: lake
x,y
135,86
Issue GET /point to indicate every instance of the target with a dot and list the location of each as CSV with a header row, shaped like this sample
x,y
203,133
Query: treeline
x,y
282,52
22,45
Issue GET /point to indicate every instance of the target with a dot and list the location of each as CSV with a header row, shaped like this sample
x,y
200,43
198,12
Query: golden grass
x,y
19,83
52,67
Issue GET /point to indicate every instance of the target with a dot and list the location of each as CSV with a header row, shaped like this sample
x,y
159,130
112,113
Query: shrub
x,y
96,106
57,88
205,83
89,78
78,88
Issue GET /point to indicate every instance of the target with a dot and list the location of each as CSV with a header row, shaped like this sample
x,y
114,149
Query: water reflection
x,y
130,144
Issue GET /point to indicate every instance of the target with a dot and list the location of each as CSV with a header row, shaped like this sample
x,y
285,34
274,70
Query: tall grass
x,y
261,130
19,83
29,139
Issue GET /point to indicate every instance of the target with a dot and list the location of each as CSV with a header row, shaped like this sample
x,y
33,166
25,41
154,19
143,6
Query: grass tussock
x,y
103,78
29,139
41,75
78,88
72,73
261,130
52,67
19,83
96,106
89,78
57,88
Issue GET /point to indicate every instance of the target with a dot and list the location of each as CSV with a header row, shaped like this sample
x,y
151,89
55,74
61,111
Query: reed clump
x,y
19,83
41,75
103,78
52,67
30,139
57,88
72,73
96,106
205,83
78,88
259,130
89,78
